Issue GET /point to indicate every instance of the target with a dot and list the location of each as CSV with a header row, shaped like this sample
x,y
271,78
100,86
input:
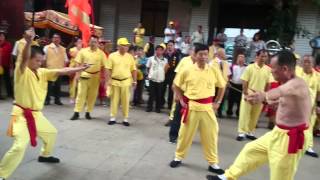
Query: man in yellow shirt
x,y
121,74
89,80
312,78
139,35
283,147
255,78
27,120
195,88
56,57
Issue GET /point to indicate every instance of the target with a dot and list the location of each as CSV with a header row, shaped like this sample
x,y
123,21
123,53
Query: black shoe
x,y
88,116
210,177
158,111
175,164
240,138
148,110
168,123
312,154
112,122
58,102
217,171
75,116
47,103
173,140
251,137
48,159
125,123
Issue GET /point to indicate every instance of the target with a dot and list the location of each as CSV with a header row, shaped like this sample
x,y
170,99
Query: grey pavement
x,y
92,150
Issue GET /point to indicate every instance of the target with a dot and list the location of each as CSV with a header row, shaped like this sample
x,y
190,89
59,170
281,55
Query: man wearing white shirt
x,y
169,32
234,96
55,58
185,46
157,66
198,36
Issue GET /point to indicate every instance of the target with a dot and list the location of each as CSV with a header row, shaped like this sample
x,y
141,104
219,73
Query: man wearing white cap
x,y
121,74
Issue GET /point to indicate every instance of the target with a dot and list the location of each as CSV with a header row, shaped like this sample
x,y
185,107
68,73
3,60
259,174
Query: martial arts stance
x,y
27,120
282,147
195,88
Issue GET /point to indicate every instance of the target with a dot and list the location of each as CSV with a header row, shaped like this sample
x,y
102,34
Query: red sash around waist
x,y
296,137
31,124
185,110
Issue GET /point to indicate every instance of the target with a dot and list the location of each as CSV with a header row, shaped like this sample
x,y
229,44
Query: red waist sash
x,y
31,124
296,137
185,110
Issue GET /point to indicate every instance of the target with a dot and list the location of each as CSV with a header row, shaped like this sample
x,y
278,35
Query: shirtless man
x,y
285,144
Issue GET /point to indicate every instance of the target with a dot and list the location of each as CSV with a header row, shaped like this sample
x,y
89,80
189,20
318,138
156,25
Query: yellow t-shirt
x,y
139,36
299,71
199,84
31,87
96,58
225,68
313,81
121,67
257,77
183,64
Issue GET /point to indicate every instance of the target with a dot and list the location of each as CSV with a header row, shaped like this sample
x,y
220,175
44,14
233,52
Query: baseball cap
x,y
123,42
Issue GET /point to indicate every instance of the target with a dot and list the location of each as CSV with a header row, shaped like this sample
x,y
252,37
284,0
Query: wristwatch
x,y
218,102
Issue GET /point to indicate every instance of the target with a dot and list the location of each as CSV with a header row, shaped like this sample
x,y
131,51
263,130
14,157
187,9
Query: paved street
x,y
92,150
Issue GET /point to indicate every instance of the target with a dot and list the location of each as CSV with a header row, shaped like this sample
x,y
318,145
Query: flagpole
x,y
33,13
92,15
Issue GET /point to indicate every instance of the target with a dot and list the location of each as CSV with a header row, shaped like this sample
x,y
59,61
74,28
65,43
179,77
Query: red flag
x,y
79,12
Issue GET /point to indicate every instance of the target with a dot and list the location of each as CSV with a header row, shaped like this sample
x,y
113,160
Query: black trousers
x,y
54,89
137,96
175,124
155,89
167,84
234,97
5,79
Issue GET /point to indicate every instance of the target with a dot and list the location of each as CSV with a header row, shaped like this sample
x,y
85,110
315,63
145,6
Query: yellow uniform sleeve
x,y
50,74
133,66
271,78
220,82
246,74
179,80
79,57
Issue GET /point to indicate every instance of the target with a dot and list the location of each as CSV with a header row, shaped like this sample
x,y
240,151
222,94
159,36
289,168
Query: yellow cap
x,y
123,41
171,22
297,56
163,45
